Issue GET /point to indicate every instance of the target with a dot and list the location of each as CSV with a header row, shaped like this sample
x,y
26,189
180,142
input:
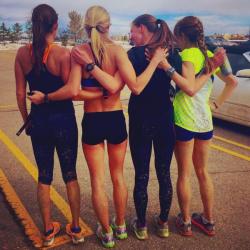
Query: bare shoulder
x,y
81,47
118,50
23,52
61,53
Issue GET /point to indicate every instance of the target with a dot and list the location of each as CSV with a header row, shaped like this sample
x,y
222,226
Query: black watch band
x,y
170,72
89,67
46,99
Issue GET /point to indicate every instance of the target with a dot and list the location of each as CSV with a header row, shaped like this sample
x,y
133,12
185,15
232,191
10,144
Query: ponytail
x,y
192,28
208,66
43,19
97,22
162,37
98,46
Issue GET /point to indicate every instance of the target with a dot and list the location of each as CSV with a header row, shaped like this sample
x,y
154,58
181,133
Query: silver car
x,y
237,108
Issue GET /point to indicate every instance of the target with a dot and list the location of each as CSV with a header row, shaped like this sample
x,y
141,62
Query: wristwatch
x,y
170,71
46,99
89,67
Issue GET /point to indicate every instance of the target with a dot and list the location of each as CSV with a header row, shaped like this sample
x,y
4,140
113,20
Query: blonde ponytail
x,y
97,22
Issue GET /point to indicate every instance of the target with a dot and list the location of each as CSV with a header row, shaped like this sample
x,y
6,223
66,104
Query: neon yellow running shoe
x,y
120,232
161,229
141,233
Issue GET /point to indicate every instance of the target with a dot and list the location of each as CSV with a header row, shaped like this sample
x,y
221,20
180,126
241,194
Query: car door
x,y
237,107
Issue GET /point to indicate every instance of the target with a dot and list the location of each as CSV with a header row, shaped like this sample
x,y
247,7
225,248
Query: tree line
x,y
72,34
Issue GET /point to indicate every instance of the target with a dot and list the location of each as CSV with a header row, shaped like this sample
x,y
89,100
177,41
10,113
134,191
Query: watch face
x,y
90,67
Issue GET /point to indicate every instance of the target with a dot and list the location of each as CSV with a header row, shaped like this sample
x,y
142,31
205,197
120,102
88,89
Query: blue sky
x,y
218,16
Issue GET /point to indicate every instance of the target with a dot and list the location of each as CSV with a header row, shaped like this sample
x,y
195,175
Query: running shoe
x,y
161,228
184,228
202,223
49,236
119,231
76,237
107,239
141,233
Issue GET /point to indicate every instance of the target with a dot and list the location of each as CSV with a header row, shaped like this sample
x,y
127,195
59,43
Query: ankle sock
x,y
75,230
49,232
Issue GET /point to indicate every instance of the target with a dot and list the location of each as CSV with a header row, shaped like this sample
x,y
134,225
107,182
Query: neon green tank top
x,y
193,113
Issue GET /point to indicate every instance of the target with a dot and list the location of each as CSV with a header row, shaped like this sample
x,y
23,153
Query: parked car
x,y
210,41
237,108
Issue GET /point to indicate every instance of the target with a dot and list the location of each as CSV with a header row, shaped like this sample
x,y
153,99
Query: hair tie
x,y
158,23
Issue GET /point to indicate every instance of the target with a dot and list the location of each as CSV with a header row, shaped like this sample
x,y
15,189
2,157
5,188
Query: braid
x,y
192,28
203,47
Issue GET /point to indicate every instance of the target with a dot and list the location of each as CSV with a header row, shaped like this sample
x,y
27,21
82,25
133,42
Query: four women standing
x,y
101,68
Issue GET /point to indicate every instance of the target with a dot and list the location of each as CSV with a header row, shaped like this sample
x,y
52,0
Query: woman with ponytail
x,y
46,67
193,123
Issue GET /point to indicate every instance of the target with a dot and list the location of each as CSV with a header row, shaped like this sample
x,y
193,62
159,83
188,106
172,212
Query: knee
x,y
184,176
45,177
202,174
69,176
98,185
118,181
141,183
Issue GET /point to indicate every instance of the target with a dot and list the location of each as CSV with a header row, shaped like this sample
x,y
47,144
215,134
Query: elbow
x,y
20,96
234,83
136,91
113,90
74,93
190,92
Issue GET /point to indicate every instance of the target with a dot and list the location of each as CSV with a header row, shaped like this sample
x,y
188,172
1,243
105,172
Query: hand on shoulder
x,y
82,54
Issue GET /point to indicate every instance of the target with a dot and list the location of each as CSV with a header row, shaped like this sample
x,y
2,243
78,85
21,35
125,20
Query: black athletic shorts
x,y
100,126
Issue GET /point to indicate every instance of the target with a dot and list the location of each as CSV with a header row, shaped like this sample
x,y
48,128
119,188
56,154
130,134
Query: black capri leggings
x,y
141,137
50,132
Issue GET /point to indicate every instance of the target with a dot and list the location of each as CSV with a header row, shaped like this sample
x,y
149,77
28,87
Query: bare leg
x,y
43,197
120,192
200,160
94,155
183,154
73,192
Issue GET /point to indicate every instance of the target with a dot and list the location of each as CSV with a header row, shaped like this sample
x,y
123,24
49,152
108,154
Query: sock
x,y
49,232
75,230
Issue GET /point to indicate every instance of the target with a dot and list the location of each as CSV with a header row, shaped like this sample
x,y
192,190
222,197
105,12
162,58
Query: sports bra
x,y
90,81
47,82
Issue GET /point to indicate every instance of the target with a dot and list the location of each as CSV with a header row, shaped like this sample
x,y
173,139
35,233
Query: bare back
x,y
58,61
113,101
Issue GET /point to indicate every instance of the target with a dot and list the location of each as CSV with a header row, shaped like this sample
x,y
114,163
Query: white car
x,y
237,108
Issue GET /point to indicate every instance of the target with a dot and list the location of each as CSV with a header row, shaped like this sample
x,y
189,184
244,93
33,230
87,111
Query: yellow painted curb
x,y
30,228
58,200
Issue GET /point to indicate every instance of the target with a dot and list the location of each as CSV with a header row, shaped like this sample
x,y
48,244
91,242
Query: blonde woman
x,y
101,64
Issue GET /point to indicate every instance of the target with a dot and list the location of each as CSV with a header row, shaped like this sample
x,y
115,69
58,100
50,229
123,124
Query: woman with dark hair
x,y
193,124
103,119
46,67
151,121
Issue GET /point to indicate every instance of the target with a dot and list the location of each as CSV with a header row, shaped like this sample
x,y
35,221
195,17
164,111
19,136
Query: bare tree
x,y
16,32
4,32
75,25
64,36
28,29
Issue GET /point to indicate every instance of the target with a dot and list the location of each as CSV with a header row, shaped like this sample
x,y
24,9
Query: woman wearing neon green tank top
x,y
194,128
